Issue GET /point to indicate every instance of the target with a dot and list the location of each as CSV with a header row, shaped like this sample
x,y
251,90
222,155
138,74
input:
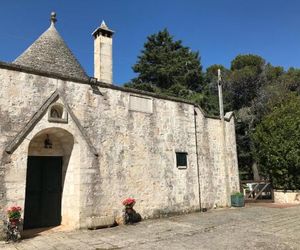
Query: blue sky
x,y
219,30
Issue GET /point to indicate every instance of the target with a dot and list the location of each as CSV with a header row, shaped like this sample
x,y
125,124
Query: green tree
x,y
274,90
273,73
246,78
269,96
166,66
242,85
276,142
277,87
210,90
291,79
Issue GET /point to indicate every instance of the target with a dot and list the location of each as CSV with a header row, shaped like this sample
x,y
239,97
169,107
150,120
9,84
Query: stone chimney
x,y
103,53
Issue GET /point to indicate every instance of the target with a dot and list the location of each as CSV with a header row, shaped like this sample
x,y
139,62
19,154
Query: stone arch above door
x,y
52,141
64,147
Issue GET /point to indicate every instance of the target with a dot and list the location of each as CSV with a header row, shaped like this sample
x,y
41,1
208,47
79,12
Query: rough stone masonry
x,y
112,142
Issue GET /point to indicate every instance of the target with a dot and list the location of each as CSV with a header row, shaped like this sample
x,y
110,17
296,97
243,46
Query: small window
x,y
181,160
57,113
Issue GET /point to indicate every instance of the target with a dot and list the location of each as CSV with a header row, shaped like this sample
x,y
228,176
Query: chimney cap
x,y
103,27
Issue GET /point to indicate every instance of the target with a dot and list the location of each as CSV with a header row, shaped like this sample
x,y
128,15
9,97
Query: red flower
x,y
14,212
128,202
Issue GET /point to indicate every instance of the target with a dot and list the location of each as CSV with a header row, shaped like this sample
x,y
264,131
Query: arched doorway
x,y
48,157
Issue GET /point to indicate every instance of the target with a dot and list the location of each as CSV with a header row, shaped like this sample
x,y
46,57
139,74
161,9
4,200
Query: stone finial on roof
x,y
53,18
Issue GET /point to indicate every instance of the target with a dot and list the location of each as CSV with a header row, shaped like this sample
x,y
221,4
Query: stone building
x,y
72,148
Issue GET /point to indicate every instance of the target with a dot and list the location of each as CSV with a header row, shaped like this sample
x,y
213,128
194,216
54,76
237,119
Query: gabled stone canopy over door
x,y
17,140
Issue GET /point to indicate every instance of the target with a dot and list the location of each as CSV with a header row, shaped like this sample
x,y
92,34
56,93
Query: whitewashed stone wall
x,y
231,155
289,196
136,151
218,169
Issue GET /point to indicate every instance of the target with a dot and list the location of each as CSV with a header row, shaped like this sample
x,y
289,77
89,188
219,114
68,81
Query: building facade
x,y
72,148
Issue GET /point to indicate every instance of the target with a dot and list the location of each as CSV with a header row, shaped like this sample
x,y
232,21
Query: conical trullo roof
x,y
50,53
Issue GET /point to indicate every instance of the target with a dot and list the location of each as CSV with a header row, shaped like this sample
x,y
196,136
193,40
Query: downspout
x,y
197,156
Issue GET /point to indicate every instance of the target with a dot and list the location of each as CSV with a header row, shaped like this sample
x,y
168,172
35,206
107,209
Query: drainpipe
x,y
197,156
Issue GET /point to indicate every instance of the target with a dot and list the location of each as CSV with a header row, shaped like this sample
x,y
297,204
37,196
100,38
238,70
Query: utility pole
x,y
220,95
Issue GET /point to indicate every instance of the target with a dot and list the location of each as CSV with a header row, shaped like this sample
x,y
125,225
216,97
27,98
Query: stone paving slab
x,y
254,227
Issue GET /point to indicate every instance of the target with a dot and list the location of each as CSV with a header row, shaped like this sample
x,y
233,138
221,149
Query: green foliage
x,y
291,80
245,80
273,73
14,212
277,144
211,75
269,97
167,66
244,125
238,194
210,90
242,84
251,61
277,86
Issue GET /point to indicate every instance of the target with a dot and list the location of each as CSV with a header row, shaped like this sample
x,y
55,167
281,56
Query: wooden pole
x,y
220,95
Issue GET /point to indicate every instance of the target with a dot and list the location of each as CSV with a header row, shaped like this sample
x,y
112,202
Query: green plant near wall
x,y
237,199
238,194
277,144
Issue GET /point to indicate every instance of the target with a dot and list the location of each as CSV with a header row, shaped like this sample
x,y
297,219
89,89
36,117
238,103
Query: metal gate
x,y
261,191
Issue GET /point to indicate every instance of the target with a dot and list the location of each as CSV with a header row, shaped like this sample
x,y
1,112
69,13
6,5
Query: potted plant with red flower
x,y
14,224
130,215
14,214
129,202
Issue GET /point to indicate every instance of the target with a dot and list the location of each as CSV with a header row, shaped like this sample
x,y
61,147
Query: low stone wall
x,y
289,196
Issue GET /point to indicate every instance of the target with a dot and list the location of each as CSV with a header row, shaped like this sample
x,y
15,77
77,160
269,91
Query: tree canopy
x,y
166,66
245,80
276,142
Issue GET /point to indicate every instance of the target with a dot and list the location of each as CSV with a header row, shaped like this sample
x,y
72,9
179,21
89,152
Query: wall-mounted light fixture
x,y
47,142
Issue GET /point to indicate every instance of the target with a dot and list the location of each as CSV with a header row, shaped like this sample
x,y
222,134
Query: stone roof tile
x,y
51,54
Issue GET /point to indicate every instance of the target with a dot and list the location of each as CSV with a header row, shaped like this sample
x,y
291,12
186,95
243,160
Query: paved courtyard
x,y
252,227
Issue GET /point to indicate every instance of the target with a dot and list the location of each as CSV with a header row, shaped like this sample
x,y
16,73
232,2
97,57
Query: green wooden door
x,y
43,192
